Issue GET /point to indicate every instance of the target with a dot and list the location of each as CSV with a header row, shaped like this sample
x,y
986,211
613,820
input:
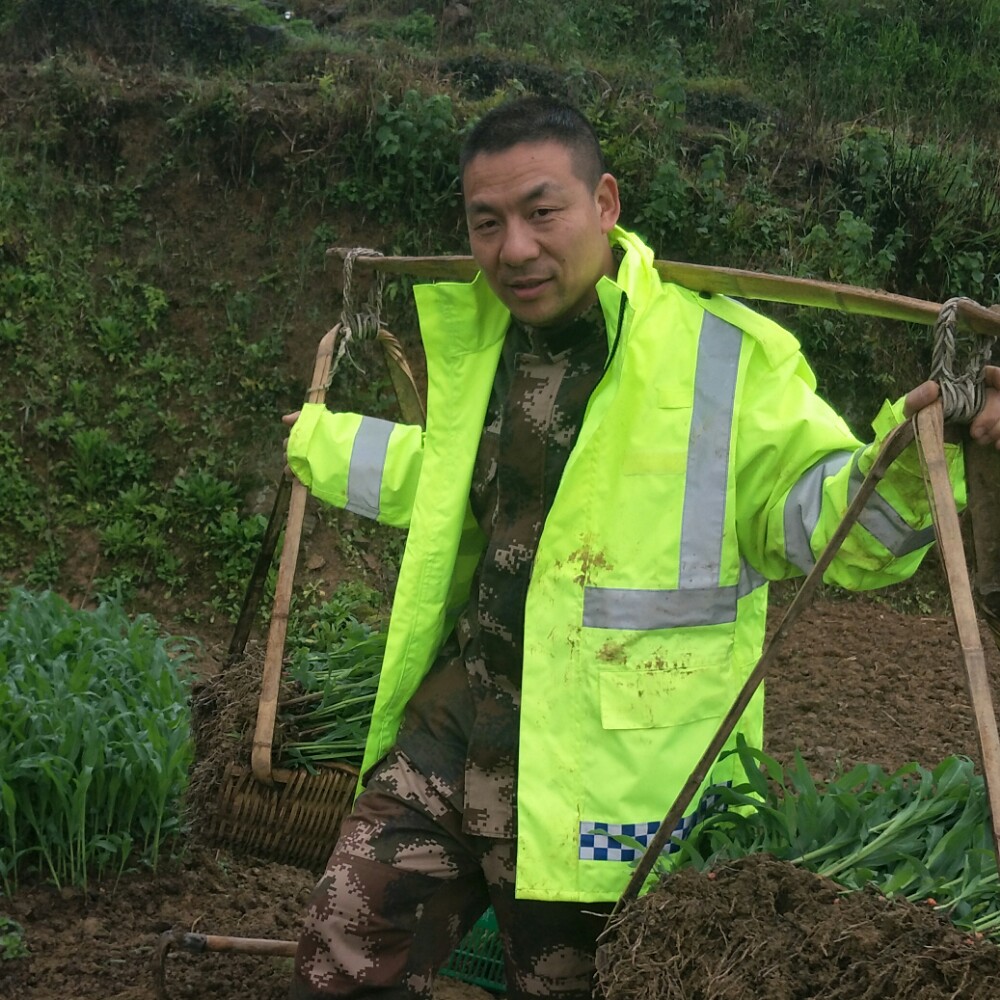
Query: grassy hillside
x,y
172,172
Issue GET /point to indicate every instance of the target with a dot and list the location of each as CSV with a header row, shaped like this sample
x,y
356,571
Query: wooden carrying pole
x,y
930,441
734,282
267,709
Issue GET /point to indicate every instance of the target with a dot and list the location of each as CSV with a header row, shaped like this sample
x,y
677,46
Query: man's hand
x,y
985,428
289,420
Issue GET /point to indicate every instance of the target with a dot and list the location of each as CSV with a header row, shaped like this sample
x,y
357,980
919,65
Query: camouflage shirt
x,y
461,726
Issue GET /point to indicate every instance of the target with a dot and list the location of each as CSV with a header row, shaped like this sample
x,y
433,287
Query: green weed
x,y
12,942
335,657
408,152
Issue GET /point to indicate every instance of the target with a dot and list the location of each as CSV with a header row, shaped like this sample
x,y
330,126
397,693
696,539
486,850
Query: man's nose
x,y
519,245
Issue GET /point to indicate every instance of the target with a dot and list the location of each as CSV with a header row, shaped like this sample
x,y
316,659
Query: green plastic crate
x,y
479,957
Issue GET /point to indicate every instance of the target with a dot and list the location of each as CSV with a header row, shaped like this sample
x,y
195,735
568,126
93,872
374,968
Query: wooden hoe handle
x,y
928,428
892,447
197,944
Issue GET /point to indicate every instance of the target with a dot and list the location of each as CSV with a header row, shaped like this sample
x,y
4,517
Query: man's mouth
x,y
527,288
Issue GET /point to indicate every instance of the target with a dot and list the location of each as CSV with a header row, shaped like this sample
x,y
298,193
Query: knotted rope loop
x,y
962,394
358,320
361,321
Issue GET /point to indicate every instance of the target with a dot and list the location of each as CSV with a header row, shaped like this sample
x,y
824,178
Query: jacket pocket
x,y
667,683
669,426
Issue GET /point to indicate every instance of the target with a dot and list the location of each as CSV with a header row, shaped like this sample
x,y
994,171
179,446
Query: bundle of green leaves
x,y
919,834
94,739
335,665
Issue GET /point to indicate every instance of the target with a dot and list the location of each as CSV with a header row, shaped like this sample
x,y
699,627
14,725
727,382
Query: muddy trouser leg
x,y
549,948
402,887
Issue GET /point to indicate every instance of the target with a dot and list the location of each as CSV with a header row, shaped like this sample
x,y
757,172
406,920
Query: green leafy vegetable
x,y
919,834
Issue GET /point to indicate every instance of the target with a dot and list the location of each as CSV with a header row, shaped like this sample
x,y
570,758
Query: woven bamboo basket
x,y
292,815
295,821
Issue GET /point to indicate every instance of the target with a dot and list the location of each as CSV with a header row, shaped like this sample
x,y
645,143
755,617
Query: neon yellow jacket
x,y
705,465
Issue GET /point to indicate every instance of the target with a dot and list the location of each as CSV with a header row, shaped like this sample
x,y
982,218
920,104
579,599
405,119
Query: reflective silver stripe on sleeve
x,y
703,519
364,477
884,522
641,610
802,509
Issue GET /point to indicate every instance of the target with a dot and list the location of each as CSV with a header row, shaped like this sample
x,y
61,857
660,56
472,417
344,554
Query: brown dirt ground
x,y
857,681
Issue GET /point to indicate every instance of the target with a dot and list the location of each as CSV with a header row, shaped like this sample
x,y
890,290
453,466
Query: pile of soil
x,y
761,929
856,681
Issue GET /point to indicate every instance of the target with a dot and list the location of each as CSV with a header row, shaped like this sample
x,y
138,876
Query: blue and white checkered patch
x,y
617,841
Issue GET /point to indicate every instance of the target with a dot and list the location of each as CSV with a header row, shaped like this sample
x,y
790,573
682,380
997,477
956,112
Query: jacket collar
x,y
464,316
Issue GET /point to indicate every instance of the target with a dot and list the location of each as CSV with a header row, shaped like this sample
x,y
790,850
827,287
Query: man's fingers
x,y
289,420
985,427
923,395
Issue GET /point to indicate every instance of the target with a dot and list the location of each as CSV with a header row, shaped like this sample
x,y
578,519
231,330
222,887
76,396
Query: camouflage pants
x,y
403,886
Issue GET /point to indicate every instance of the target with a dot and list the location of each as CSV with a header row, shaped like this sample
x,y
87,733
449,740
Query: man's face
x,y
538,231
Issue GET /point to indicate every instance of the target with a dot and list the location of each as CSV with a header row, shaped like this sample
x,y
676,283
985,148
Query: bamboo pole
x,y
731,281
930,441
267,709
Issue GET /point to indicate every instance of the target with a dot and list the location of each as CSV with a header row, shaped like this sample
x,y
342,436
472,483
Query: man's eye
x,y
486,226
541,213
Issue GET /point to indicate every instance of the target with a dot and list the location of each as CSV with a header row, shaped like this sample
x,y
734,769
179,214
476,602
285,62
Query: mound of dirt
x,y
762,929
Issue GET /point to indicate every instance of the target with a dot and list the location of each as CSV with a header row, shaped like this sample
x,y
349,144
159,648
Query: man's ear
x,y
608,202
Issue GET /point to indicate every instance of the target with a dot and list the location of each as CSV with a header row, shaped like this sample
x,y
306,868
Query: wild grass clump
x,y
406,154
887,59
95,742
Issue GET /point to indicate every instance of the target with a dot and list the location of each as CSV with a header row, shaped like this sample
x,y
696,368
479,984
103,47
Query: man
x,y
612,469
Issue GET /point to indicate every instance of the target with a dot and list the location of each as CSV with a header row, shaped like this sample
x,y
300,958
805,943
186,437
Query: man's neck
x,y
567,334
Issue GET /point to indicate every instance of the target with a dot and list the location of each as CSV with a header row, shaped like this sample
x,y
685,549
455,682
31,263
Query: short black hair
x,y
537,119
